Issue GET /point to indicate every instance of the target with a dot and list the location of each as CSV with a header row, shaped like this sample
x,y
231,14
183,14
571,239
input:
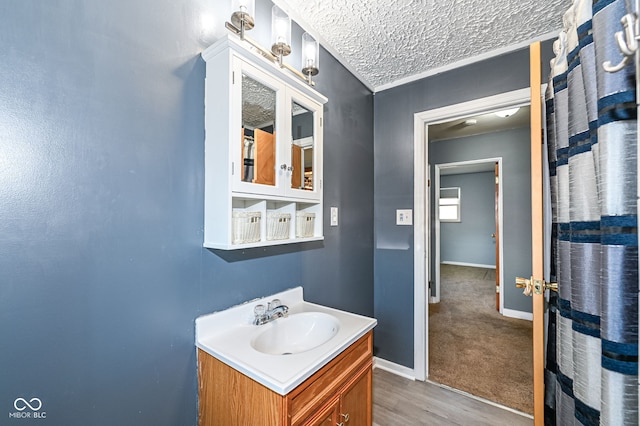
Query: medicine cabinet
x,y
263,151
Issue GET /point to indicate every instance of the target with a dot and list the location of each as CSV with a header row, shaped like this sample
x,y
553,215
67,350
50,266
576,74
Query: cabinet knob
x,y
290,168
345,417
283,166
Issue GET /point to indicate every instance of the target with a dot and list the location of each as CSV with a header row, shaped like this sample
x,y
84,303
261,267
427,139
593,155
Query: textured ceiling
x,y
386,42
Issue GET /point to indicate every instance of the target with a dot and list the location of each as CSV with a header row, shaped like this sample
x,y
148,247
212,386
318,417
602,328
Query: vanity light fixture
x,y
242,17
310,57
242,20
507,112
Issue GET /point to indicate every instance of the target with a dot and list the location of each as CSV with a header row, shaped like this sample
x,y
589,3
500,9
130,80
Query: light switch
x,y
404,217
334,216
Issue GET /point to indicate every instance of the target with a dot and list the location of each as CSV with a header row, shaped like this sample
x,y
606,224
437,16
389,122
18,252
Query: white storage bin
x,y
278,225
246,227
305,224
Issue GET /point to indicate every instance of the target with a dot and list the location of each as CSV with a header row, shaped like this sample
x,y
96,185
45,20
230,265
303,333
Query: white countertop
x,y
227,336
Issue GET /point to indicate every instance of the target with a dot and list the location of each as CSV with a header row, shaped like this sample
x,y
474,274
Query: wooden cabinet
x,y
352,407
263,151
340,392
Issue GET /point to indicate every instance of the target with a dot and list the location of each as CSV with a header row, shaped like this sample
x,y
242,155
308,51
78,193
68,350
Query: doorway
x,y
423,237
475,240
473,347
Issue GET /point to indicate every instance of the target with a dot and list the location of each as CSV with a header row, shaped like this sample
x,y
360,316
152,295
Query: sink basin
x,y
296,333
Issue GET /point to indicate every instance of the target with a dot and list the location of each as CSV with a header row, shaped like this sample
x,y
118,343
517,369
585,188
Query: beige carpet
x,y
475,349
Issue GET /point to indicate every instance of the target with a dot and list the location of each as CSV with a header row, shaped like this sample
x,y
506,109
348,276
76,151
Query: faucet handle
x,y
259,310
260,313
274,304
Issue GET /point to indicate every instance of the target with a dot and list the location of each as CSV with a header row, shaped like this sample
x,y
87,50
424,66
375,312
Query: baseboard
x,y
391,367
473,265
517,314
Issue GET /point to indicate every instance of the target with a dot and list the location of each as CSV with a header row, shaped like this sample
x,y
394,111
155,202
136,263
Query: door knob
x,y
525,284
532,285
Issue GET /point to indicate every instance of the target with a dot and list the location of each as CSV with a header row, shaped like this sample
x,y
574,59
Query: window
x,y
449,205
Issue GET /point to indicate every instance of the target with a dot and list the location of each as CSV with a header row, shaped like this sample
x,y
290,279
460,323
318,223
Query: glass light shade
x,y
310,55
244,6
243,12
280,32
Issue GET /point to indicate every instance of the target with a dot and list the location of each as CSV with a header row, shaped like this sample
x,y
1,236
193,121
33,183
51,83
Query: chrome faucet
x,y
275,309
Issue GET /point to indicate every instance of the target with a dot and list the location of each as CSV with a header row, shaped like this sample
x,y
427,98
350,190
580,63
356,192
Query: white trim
x,y
421,250
392,367
467,61
421,234
473,265
511,313
520,97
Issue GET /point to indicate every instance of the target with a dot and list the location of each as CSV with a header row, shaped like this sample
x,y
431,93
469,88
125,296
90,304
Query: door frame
x,y
422,205
435,298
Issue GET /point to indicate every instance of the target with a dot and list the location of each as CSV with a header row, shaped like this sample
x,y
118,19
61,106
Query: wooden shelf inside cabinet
x,y
263,150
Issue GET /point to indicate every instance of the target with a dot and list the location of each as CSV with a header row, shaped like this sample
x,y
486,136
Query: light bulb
x,y
507,112
310,53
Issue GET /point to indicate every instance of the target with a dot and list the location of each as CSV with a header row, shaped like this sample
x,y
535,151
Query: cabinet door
x,y
356,401
327,415
256,119
304,162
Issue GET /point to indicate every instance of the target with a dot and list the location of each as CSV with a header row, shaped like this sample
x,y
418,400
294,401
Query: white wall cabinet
x,y
263,151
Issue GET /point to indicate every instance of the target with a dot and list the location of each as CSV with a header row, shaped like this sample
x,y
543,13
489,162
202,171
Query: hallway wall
x,y
469,241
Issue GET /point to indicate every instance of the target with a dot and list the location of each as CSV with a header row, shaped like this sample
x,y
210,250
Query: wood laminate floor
x,y
399,401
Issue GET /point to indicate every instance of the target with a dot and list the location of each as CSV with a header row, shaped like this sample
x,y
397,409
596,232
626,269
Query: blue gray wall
x,y
101,208
469,241
393,182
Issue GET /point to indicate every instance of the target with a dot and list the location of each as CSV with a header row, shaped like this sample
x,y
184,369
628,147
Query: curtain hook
x,y
627,41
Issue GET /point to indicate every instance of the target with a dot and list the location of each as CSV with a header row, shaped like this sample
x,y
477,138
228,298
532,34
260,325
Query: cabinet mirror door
x,y
302,155
258,132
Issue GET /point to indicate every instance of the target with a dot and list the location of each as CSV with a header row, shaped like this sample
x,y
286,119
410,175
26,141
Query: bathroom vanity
x,y
312,367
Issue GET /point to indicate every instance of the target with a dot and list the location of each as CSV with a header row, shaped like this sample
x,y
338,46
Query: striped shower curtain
x,y
592,352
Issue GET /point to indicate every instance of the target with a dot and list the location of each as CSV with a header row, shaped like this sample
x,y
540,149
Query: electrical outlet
x,y
404,217
334,216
